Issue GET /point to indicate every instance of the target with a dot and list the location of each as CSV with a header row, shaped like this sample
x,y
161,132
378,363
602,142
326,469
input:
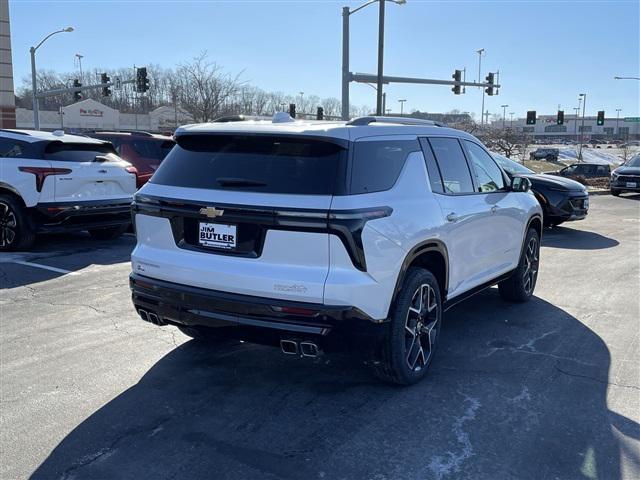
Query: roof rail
x,y
238,118
361,121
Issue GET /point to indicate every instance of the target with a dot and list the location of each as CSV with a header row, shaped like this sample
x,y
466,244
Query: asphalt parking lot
x,y
545,390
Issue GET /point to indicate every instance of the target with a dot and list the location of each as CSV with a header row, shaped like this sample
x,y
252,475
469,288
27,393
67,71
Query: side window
x,y
569,170
453,166
12,148
488,174
377,164
602,170
432,167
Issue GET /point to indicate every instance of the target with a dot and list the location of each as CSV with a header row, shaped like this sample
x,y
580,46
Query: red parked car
x,y
143,150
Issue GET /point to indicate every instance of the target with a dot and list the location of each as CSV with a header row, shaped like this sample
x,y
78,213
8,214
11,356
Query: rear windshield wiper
x,y
239,182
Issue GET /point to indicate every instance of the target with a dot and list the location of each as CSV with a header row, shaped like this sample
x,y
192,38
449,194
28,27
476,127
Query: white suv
x,y
53,182
323,236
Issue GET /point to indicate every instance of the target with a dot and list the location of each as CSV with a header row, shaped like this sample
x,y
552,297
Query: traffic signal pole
x,y
370,78
346,76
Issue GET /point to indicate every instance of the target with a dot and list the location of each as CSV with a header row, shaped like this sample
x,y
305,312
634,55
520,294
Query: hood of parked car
x,y
552,181
627,170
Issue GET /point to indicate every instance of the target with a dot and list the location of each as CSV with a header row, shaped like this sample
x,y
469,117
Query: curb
x,y
599,192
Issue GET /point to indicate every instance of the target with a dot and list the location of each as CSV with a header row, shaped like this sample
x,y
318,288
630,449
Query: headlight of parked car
x,y
614,176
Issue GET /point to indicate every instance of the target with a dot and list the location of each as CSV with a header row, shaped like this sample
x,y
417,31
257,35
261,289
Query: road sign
x,y
632,119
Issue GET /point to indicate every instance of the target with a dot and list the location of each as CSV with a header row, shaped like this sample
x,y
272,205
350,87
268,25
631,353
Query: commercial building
x,y
546,128
7,97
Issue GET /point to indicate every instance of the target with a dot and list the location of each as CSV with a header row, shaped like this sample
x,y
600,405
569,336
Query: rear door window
x,y
10,148
456,176
254,163
378,163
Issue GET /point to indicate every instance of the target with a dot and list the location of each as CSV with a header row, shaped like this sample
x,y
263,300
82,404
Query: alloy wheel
x,y
531,261
8,225
421,328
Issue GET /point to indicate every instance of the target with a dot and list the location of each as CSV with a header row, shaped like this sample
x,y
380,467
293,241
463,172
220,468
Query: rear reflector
x,y
306,312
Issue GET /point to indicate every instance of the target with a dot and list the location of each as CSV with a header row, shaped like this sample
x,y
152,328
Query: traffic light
x,y
560,117
77,96
531,117
320,114
457,76
292,110
489,78
142,82
600,119
104,78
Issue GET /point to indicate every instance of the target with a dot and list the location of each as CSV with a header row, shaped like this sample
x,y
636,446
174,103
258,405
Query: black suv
x,y
626,178
587,171
550,154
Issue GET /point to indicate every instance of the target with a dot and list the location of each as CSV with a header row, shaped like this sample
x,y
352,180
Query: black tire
x,y
520,285
615,193
108,233
413,330
16,232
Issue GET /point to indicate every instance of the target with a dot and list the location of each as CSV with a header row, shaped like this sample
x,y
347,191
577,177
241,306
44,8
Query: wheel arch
x,y
6,189
432,255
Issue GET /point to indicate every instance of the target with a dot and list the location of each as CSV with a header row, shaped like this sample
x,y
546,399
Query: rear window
x,y
254,163
76,152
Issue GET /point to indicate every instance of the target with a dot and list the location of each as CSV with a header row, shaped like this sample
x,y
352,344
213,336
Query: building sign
x,y
632,119
90,112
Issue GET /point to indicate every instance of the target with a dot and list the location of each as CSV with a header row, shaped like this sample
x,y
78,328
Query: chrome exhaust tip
x,y
143,315
153,318
289,347
309,349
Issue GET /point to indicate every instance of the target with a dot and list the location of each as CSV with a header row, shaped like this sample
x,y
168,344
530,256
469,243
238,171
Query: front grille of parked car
x,y
629,178
578,203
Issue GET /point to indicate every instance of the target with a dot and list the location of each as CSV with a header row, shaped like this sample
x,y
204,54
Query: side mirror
x,y
520,184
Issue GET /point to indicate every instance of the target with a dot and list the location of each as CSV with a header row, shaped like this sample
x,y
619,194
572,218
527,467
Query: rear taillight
x,y
43,172
133,170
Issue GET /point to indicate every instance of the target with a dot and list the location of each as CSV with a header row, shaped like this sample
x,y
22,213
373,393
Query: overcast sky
x,y
547,51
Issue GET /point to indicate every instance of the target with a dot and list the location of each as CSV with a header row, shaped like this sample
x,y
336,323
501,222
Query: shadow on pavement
x,y
573,239
68,252
516,391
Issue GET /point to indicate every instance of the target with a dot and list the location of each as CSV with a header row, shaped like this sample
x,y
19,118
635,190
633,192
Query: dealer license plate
x,y
217,235
632,184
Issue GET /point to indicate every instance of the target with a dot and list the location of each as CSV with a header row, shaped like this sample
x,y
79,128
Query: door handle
x,y
452,217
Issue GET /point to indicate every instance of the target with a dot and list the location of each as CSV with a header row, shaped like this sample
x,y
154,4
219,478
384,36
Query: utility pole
x,y
486,114
504,114
345,63
402,105
480,53
79,57
584,105
379,107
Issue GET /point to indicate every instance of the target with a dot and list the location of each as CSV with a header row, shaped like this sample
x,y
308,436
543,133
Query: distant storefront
x,y
92,115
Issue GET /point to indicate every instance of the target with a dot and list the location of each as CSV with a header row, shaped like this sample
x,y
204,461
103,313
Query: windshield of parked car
x,y
633,162
509,166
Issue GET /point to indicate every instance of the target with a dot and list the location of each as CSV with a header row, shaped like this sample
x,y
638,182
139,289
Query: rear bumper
x,y
256,319
73,216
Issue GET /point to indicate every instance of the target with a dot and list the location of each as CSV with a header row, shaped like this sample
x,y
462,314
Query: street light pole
x,y
504,114
345,63
402,105
380,57
480,53
511,120
32,51
618,110
584,105
626,78
346,75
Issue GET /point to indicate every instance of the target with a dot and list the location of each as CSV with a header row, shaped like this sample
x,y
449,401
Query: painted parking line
x,y
44,267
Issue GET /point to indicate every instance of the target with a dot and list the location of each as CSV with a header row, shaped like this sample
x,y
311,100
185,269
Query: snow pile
x,y
589,155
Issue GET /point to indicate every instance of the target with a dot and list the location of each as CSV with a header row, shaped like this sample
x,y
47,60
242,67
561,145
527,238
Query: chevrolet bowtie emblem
x,y
211,212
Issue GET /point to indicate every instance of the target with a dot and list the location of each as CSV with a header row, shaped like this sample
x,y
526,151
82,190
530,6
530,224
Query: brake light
x,y
43,172
133,170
